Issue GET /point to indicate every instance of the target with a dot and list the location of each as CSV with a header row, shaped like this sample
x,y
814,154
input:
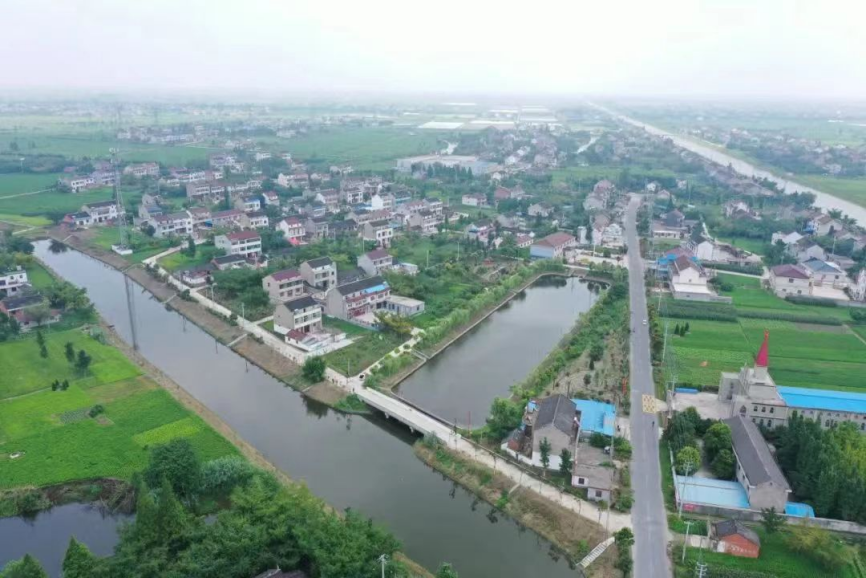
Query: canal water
x,y
47,535
460,383
350,461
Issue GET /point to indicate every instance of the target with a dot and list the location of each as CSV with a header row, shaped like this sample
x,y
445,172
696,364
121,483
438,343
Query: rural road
x,y
648,514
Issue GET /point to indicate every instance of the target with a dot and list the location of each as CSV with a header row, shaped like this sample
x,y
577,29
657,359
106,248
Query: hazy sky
x,y
795,49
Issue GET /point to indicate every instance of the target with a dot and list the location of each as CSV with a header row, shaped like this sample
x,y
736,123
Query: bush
x,y
223,474
747,269
792,317
314,369
178,462
694,310
858,315
96,410
32,502
806,300
598,440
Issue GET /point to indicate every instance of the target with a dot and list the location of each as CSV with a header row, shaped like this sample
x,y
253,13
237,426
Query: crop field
x,y
52,201
52,433
748,294
851,189
363,148
14,184
25,371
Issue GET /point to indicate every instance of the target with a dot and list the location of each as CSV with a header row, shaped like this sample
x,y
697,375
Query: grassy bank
x,y
570,533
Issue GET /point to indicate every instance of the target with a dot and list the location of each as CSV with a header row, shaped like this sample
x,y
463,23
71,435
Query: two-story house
x,y
283,285
375,262
12,280
245,243
303,315
379,231
292,229
102,211
790,280
179,223
230,219
320,273
353,301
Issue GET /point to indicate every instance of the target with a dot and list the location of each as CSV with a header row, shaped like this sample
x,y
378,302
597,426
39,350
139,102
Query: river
x,y
460,383
349,461
823,200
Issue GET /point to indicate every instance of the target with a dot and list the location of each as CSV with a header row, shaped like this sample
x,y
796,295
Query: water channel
x,y
823,200
363,463
459,384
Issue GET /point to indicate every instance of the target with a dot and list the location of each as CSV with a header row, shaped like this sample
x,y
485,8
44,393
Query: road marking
x,y
649,403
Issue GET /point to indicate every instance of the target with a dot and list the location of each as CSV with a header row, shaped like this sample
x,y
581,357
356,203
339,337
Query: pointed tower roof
x,y
763,359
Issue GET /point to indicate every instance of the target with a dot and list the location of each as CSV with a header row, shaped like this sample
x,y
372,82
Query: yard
x,y
756,246
365,351
52,432
776,559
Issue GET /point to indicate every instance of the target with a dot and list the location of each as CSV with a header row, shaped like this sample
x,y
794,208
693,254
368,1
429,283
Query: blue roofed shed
x,y
596,416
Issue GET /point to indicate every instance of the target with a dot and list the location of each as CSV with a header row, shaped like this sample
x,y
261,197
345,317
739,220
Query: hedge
x,y
695,310
806,300
792,317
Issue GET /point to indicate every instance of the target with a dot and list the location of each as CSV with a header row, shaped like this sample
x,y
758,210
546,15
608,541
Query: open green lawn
x,y
179,260
38,276
23,221
13,184
365,351
851,189
776,559
144,246
49,201
56,439
756,246
25,371
363,148
350,329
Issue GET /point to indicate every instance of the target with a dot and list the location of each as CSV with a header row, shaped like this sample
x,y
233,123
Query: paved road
x,y
648,514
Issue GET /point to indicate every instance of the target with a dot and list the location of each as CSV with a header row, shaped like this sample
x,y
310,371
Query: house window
x,y
581,481
771,409
827,423
598,493
763,409
755,408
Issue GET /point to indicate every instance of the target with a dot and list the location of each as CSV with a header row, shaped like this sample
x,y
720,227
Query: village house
x,y
79,219
787,239
688,280
319,273
375,262
474,200
425,222
12,280
806,249
77,183
543,210
197,276
523,241
297,181
316,228
408,209
102,211
140,170
313,209
757,471
179,223
382,202
825,273
825,225
283,285
293,229
258,219
330,198
270,199
303,315
248,203
591,471
555,419
199,215
381,232
358,301
790,280
511,221
353,196
205,192
23,308
230,219
734,538
227,262
552,246
245,243
404,306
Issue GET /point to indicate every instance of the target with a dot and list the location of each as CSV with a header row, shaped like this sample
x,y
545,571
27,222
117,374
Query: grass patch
x,y
352,404
180,260
38,275
756,246
24,371
366,350
181,428
143,246
15,184
775,559
350,329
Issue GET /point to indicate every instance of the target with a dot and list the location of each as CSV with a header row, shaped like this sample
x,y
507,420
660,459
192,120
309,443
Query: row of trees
x,y
267,525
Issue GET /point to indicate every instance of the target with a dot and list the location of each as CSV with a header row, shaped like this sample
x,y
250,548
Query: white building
x,y
180,223
11,280
379,231
284,285
292,229
790,280
244,243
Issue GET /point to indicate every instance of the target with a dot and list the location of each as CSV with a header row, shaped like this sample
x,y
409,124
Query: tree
x,y
717,438
82,362
688,460
26,567
724,464
504,417
79,562
446,571
565,464
772,520
69,352
177,462
314,369
170,515
39,314
190,247
544,448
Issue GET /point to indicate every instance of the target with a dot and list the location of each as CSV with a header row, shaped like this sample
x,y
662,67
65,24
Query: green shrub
x,y
807,300
747,269
223,474
792,317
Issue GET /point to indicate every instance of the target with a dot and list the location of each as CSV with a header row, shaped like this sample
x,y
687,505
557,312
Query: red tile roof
x,y
285,275
792,271
242,236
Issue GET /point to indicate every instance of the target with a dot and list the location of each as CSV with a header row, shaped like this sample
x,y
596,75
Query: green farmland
x,y
363,148
52,433
801,354
15,184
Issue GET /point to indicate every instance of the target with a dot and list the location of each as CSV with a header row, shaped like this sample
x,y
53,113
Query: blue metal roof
x,y
799,510
801,397
375,288
596,416
694,490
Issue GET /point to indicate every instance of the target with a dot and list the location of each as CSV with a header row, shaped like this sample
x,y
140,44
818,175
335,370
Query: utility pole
x,y
686,542
701,570
383,560
688,465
